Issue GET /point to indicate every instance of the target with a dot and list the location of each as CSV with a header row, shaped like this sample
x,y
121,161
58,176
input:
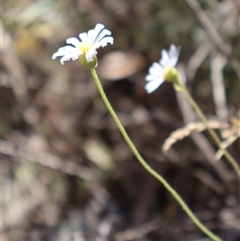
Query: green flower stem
x,y
214,135
185,207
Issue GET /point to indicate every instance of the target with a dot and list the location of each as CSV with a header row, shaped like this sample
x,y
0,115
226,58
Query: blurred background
x,y
66,172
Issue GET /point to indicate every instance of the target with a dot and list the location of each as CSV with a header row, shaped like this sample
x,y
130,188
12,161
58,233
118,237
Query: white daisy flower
x,y
86,49
160,72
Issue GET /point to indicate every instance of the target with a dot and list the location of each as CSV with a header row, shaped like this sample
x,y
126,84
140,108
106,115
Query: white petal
x,y
164,61
153,85
150,77
64,58
74,41
67,53
101,35
83,37
103,42
54,56
68,57
62,51
90,53
99,27
174,54
93,33
156,69
91,36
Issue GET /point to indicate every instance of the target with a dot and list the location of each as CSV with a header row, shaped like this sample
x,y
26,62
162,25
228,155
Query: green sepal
x,y
86,64
171,75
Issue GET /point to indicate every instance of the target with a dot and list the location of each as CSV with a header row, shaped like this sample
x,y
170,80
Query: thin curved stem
x,y
214,135
181,202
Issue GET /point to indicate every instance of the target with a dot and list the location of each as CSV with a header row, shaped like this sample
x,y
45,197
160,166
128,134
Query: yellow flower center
x,y
167,73
84,47
170,74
